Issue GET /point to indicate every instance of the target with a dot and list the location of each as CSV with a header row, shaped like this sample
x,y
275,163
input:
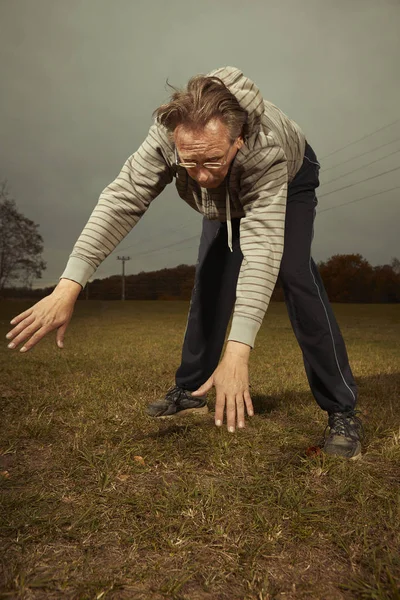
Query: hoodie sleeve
x,y
142,178
263,195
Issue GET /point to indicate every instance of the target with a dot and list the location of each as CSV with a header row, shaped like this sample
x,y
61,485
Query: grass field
x,y
100,502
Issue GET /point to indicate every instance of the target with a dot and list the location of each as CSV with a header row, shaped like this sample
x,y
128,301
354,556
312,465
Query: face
x,y
209,144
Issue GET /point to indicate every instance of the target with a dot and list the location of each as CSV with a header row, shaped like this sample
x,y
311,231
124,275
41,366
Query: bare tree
x,y
21,245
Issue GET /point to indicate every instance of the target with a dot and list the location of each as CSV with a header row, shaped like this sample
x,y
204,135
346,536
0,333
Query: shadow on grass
x,y
377,394
376,391
169,429
264,405
183,426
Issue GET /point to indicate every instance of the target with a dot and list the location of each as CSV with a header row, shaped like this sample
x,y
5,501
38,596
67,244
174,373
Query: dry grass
x,y
203,514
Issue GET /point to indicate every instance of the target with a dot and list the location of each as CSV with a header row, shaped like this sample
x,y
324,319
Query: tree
x,y
21,245
386,284
395,264
347,278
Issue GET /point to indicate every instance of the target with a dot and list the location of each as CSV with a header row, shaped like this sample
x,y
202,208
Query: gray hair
x,y
204,98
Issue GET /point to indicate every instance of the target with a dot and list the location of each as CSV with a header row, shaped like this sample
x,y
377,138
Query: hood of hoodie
x,y
245,91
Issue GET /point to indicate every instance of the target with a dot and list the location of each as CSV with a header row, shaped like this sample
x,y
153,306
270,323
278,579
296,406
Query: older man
x,y
244,165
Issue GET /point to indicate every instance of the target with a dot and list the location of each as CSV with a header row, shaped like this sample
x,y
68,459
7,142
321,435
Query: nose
x,y
202,175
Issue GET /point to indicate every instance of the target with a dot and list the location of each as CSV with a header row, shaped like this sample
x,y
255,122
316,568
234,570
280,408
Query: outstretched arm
x,y
121,205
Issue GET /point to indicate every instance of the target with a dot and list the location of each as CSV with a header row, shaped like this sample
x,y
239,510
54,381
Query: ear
x,y
239,142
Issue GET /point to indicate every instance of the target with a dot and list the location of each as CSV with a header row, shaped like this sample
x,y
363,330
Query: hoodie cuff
x,y
78,270
244,330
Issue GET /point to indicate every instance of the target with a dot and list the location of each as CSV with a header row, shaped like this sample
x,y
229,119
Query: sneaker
x,y
346,432
177,401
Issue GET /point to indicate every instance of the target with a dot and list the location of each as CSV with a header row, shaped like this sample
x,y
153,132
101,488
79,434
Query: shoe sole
x,y
356,457
203,410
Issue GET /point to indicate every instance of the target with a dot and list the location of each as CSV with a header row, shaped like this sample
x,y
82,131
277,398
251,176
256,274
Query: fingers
x,y
240,410
231,413
25,334
14,332
52,312
249,403
60,335
205,387
21,317
234,409
219,408
35,339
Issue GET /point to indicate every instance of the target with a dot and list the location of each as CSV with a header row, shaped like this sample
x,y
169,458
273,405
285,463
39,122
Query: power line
x,y
191,247
357,200
359,140
139,254
181,226
359,156
362,167
185,223
167,246
357,182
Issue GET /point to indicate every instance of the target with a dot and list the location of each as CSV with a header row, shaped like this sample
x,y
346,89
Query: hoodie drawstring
x,y
228,218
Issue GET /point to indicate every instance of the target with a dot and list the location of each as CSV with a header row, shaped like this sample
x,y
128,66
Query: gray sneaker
x,y
345,434
177,401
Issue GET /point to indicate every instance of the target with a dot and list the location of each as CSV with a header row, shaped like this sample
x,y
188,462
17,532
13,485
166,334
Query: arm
x,y
261,241
121,205
142,178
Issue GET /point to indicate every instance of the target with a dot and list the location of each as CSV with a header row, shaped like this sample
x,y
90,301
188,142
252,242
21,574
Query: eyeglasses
x,y
206,165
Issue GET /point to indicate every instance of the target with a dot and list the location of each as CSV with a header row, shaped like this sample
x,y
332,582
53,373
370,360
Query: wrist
x,y
68,288
237,349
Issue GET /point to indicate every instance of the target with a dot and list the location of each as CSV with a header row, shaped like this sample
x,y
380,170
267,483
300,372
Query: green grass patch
x,y
98,501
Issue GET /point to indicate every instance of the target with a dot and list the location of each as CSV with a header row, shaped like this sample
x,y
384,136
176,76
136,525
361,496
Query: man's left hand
x,y
231,381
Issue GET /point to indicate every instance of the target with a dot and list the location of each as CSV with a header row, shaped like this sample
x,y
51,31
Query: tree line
x,y
347,277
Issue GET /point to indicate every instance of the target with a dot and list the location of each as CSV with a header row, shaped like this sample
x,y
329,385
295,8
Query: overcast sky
x,y
80,79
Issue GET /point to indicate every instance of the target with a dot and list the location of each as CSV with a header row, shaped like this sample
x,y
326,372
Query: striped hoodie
x,y
255,190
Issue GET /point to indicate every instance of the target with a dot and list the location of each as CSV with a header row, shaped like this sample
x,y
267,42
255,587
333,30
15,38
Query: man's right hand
x,y
52,312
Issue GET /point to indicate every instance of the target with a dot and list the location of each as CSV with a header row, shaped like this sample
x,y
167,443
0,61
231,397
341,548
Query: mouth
x,y
211,184
208,186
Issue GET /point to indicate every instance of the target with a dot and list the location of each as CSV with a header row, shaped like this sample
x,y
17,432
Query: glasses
x,y
207,165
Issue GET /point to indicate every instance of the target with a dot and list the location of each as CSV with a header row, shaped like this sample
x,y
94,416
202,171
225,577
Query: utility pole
x,y
123,258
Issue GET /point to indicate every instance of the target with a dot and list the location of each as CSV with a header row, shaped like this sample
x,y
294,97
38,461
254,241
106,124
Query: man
x,y
244,165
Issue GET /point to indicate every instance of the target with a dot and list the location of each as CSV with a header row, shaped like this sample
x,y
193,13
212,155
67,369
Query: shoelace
x,y
174,395
347,424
